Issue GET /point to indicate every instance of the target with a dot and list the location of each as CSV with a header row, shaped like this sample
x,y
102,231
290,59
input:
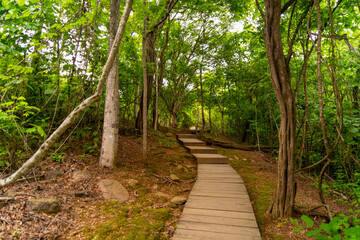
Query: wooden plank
x,y
219,213
221,194
240,222
211,179
203,235
186,135
191,142
235,207
201,149
210,158
219,228
219,185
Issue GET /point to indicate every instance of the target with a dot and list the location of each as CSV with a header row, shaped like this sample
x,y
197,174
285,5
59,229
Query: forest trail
x,y
218,206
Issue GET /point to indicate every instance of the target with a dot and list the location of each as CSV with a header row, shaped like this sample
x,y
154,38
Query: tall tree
x,y
284,196
109,146
71,118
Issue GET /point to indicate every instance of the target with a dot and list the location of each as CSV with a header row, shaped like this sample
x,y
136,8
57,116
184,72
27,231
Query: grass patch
x,y
129,222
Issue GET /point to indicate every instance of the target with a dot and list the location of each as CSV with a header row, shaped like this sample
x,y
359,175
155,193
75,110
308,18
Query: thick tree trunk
x,y
45,147
284,196
109,145
173,120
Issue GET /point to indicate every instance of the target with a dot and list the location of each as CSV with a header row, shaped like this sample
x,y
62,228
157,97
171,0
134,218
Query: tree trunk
x,y
284,197
71,118
109,145
136,102
156,103
145,97
203,125
173,120
150,59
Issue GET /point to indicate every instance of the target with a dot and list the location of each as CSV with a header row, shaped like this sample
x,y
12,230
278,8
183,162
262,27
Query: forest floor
x,y
149,212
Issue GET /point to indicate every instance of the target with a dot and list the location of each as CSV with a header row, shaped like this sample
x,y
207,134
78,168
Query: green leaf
x,y
298,229
312,233
5,3
309,222
21,3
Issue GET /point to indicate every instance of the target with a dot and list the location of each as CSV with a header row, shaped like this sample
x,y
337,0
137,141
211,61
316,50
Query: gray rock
x,y
55,173
81,175
46,205
174,177
179,199
113,190
162,194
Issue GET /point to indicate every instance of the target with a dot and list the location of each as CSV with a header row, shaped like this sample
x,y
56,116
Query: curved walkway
x,y
218,206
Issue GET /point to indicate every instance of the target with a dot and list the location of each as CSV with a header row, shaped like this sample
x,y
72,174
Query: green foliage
x,y
340,227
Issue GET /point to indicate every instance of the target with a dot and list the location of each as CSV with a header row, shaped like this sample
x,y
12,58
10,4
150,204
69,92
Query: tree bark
x,y
284,197
71,118
109,145
145,97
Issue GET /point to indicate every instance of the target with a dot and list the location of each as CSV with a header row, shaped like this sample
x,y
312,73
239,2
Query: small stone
x,y
55,173
190,166
174,177
113,190
162,194
180,167
155,186
132,182
82,175
236,157
231,159
82,194
179,199
46,205
169,134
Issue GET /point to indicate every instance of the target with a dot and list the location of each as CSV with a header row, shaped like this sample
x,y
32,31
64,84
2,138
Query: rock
x,y
180,167
179,199
236,158
132,182
55,173
113,190
162,194
155,186
81,175
174,177
169,134
46,205
82,194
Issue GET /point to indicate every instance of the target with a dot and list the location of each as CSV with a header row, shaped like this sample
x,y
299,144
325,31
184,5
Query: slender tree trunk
x,y
145,88
156,104
284,197
203,126
136,102
210,122
109,145
45,147
149,41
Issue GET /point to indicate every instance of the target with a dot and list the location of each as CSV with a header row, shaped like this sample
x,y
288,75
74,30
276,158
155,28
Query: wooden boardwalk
x,y
218,207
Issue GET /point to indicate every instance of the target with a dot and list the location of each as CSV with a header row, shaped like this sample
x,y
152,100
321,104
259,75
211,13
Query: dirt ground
x,y
146,215
259,172
84,212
